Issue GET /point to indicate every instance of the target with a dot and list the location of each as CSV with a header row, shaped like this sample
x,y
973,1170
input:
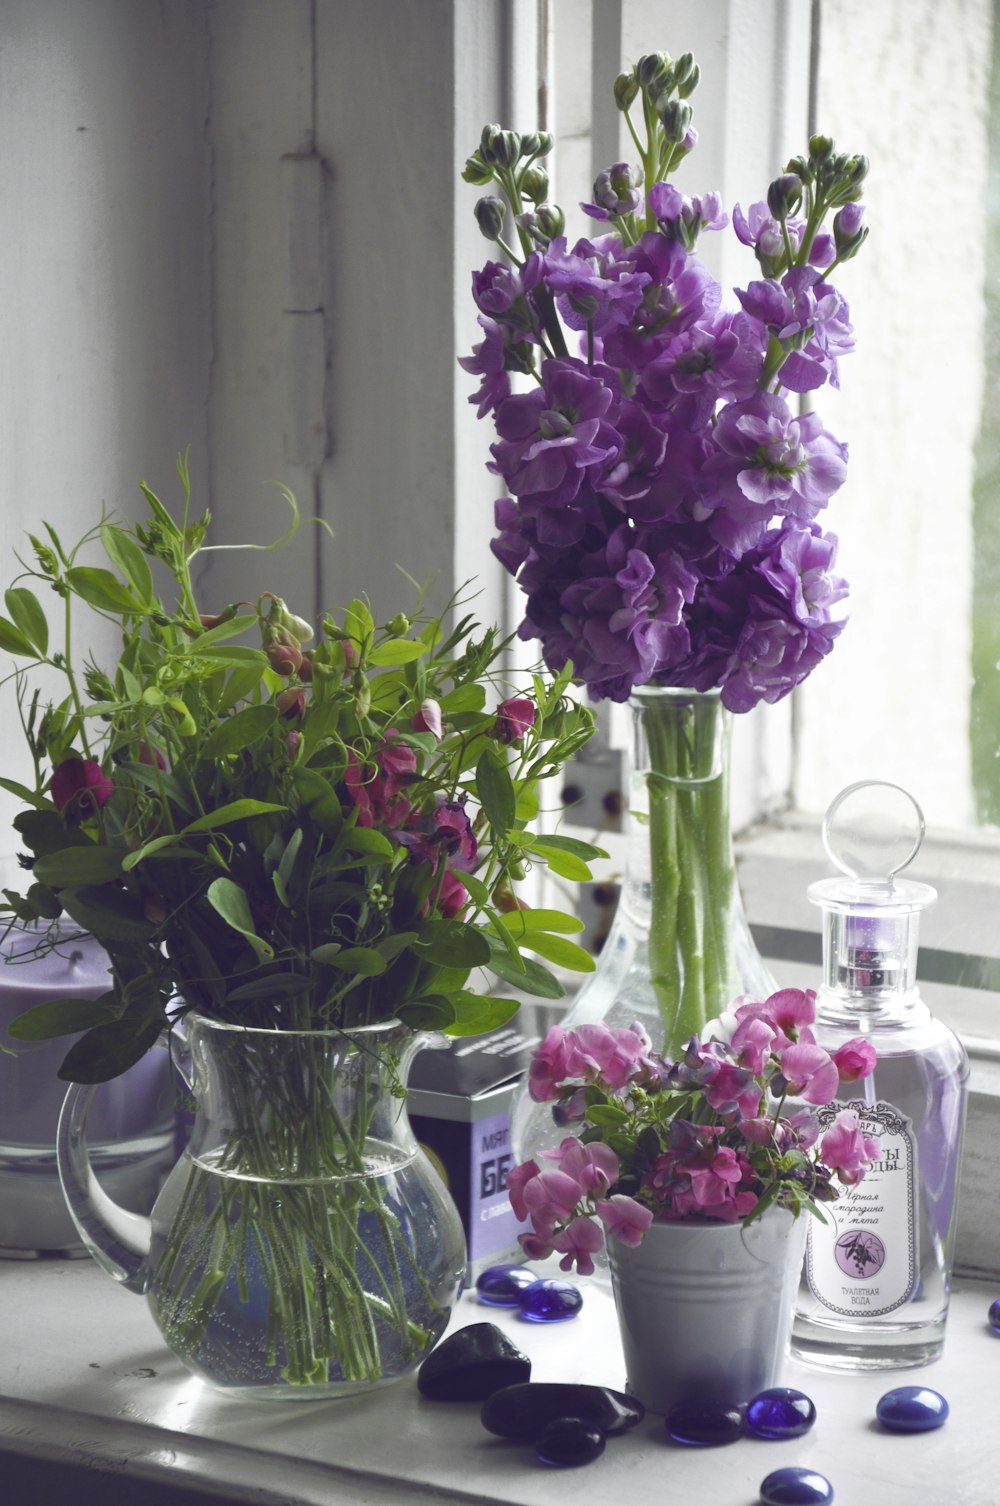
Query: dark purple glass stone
x,y
502,1285
912,1409
471,1364
705,1424
780,1413
794,1486
994,1316
549,1301
521,1412
566,1441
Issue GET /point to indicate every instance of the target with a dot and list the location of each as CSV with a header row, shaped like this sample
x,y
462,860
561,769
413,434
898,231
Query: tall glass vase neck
x,y
680,950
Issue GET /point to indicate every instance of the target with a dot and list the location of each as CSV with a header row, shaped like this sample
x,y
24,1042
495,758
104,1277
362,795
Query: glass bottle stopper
x,y
872,831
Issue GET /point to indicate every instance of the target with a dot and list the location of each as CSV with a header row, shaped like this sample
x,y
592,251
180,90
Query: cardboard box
x,y
460,1102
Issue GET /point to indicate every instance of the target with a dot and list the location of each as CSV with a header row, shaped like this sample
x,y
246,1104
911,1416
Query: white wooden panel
x,y
103,273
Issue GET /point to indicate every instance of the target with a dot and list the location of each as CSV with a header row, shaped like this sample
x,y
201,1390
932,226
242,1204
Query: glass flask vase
x,y
680,949
303,1247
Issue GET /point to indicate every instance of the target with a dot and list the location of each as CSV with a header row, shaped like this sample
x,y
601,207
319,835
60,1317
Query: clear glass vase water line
x,y
680,949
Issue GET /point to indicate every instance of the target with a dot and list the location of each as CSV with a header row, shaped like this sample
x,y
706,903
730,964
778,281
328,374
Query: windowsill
x,y
85,1384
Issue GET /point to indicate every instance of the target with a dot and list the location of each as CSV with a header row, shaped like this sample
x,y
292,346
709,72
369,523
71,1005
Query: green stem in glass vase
x,y
690,875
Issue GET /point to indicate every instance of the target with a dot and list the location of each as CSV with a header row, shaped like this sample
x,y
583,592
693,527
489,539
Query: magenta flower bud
x,y
855,1059
514,718
428,719
293,742
82,780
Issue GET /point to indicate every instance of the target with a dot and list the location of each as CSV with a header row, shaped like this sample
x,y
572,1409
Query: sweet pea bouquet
x,y
718,1135
310,830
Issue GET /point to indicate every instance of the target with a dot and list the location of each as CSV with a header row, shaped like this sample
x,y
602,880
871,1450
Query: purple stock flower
x,y
488,360
593,285
767,461
552,438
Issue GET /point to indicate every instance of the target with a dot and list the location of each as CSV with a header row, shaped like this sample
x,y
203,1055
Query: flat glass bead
x,y
912,1409
794,1486
549,1301
705,1424
566,1441
501,1285
780,1413
994,1316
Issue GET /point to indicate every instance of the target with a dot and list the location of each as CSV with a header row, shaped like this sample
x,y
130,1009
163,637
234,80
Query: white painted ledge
x,y
85,1385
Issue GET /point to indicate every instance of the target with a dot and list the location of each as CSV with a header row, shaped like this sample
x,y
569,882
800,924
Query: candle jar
x,y
132,1118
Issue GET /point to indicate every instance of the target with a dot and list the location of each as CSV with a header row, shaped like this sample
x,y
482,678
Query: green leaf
x,y
110,912
328,953
453,943
571,845
475,1014
156,844
125,553
223,631
109,1050
229,654
319,798
26,611
433,1013
478,891
396,651
607,1115
496,790
13,641
236,810
61,1017
44,831
30,797
463,698
230,901
518,922
240,731
371,843
531,978
74,866
560,951
101,589
271,986
359,623
363,960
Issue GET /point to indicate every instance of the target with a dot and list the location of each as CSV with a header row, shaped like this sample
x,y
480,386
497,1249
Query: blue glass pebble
x,y
794,1486
549,1301
705,1424
568,1441
502,1285
912,1409
994,1316
780,1413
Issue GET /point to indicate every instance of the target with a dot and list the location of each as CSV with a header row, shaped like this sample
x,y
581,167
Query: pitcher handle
x,y
118,1240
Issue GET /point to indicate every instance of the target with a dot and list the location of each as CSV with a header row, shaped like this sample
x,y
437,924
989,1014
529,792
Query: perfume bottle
x,y
875,1283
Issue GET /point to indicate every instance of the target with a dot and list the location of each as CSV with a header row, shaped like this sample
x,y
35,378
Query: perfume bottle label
x,y
862,1263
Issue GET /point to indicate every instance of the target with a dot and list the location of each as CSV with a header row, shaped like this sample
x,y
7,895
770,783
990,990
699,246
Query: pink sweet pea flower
x,y
625,1219
594,1167
855,1059
809,1070
577,1242
517,1178
753,1041
786,1011
616,1052
375,786
550,1198
514,717
734,1090
81,780
535,1246
846,1150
